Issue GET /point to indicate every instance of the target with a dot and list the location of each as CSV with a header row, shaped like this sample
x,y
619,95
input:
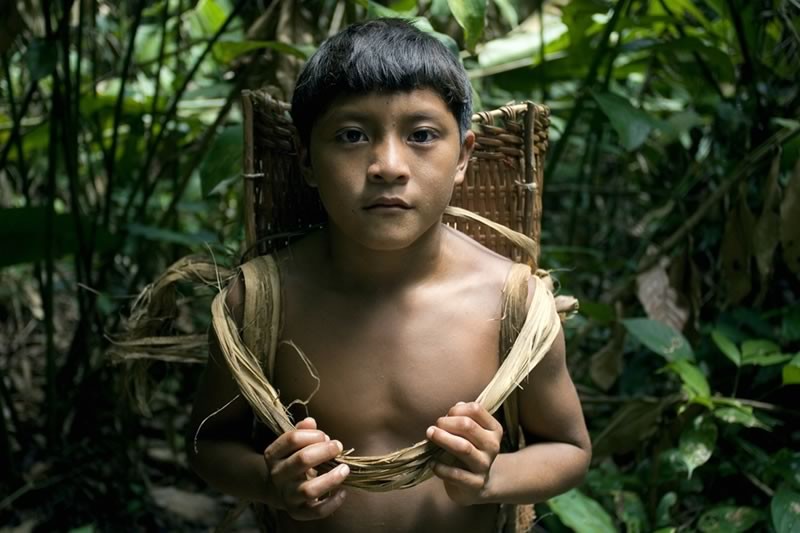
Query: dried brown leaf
x,y
737,251
766,233
790,222
659,298
606,365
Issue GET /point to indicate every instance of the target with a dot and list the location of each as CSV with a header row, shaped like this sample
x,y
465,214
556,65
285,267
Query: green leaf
x,y
791,372
661,338
470,15
25,227
227,51
757,347
785,510
508,12
740,415
424,24
697,443
375,10
663,511
581,513
210,15
223,160
189,240
694,381
631,124
40,58
729,519
727,347
630,510
768,360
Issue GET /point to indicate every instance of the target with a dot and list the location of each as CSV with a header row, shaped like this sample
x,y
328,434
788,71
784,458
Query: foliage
x,y
672,201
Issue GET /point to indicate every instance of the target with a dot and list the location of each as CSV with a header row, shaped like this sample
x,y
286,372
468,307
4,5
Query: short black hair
x,y
386,54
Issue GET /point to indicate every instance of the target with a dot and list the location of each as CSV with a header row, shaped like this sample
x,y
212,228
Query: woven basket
x,y
503,183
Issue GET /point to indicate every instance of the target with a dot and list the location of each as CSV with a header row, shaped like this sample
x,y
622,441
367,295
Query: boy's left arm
x,y
550,412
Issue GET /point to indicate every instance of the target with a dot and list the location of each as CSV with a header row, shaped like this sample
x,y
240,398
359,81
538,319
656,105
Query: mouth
x,y
388,203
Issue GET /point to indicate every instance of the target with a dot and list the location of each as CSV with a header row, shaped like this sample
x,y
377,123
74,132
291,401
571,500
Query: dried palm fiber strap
x,y
406,467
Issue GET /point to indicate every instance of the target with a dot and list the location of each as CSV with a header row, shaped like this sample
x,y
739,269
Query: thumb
x,y
307,423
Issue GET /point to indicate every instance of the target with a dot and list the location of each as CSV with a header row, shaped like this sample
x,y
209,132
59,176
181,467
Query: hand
x,y
472,436
293,481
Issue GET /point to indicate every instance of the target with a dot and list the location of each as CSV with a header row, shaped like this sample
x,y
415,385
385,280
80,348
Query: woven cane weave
x,y
503,182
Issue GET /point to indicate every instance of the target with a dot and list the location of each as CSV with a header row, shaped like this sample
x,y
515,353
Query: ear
x,y
463,156
304,157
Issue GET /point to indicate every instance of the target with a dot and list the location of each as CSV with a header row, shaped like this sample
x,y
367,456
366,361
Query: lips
x,y
386,202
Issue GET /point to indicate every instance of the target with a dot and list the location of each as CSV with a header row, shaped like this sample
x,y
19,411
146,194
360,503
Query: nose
x,y
388,162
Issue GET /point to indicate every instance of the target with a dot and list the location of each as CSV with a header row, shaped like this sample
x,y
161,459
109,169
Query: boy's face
x,y
386,164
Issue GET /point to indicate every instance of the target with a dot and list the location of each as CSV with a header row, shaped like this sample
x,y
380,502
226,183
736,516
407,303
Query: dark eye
x,y
351,136
423,136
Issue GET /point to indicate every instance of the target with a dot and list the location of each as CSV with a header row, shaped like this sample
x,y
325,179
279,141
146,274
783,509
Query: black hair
x,y
379,55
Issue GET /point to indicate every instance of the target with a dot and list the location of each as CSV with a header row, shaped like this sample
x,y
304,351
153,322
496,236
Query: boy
x,y
399,314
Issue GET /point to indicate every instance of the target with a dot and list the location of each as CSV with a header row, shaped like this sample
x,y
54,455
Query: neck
x,y
358,268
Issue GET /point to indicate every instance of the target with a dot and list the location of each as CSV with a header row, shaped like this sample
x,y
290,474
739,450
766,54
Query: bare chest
x,y
386,369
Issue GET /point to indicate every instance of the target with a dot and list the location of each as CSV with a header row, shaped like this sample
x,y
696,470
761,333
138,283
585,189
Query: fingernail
x,y
344,470
429,433
327,438
339,446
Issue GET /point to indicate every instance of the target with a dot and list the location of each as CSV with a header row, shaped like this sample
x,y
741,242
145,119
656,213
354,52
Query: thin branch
x,y
583,93
112,156
153,147
23,168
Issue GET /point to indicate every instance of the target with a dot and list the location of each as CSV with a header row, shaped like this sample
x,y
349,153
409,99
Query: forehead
x,y
391,106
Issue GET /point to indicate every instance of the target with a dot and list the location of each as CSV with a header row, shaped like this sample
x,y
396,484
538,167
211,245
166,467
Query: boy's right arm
x,y
220,451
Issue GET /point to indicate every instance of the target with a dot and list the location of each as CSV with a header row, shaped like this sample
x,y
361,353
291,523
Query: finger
x,y
310,457
321,508
465,427
307,423
292,441
318,487
460,448
458,476
478,413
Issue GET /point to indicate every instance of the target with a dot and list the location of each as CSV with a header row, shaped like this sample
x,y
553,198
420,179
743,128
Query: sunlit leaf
x,y
727,347
660,338
210,15
693,379
742,415
755,348
729,519
633,125
581,513
506,9
697,443
791,372
470,15
785,510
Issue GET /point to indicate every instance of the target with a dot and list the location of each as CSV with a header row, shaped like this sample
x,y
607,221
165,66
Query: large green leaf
x,y
697,443
25,228
581,513
785,510
727,347
470,15
223,160
227,51
729,519
791,372
633,125
630,510
694,382
506,9
661,338
739,414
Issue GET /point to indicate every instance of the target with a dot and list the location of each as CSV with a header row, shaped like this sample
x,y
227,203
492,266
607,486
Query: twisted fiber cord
x,y
412,465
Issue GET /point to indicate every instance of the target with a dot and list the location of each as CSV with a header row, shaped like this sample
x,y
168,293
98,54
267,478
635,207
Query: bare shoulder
x,y
477,262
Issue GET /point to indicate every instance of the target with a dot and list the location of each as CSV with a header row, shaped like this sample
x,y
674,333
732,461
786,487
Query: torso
x,y
389,365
